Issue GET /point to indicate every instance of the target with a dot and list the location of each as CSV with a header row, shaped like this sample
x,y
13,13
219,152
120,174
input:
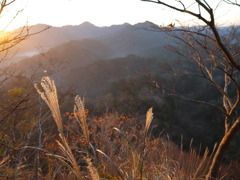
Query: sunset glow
x,y
2,35
102,13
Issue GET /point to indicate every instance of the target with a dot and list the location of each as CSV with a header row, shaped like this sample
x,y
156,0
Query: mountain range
x,y
63,48
110,67
123,39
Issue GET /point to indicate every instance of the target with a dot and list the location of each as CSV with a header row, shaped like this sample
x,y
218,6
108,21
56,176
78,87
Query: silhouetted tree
x,y
16,90
214,52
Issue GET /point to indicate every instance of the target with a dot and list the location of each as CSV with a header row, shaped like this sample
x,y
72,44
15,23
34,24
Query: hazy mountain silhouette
x,y
58,35
135,39
123,39
64,57
78,46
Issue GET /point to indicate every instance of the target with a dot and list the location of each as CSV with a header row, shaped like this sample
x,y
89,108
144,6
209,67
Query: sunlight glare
x,y
2,35
102,13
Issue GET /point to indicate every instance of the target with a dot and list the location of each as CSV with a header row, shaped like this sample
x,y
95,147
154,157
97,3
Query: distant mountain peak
x,y
146,24
126,24
86,23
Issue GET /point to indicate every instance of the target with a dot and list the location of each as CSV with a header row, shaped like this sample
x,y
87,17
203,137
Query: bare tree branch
x,y
232,2
25,99
212,52
210,23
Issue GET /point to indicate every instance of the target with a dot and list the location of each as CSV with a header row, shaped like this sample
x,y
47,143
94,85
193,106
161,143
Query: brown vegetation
x,y
110,147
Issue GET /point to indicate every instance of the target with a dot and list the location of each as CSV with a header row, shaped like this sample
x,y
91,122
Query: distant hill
x,y
96,78
136,39
66,56
123,39
58,35
78,46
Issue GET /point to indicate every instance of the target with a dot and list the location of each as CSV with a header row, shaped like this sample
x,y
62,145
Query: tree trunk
x,y
214,168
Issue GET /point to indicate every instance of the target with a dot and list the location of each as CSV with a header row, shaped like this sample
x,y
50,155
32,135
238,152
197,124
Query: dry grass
x,y
108,147
80,116
3,161
49,95
149,118
92,169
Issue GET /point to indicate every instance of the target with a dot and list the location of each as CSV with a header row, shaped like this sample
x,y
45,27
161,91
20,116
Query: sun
x,y
2,35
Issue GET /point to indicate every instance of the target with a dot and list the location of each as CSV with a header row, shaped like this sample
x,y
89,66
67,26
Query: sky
x,y
103,13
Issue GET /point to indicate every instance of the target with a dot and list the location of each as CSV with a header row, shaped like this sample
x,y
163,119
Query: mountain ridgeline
x,y
123,39
113,69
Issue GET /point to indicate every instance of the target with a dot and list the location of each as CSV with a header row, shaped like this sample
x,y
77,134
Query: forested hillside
x,y
121,71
